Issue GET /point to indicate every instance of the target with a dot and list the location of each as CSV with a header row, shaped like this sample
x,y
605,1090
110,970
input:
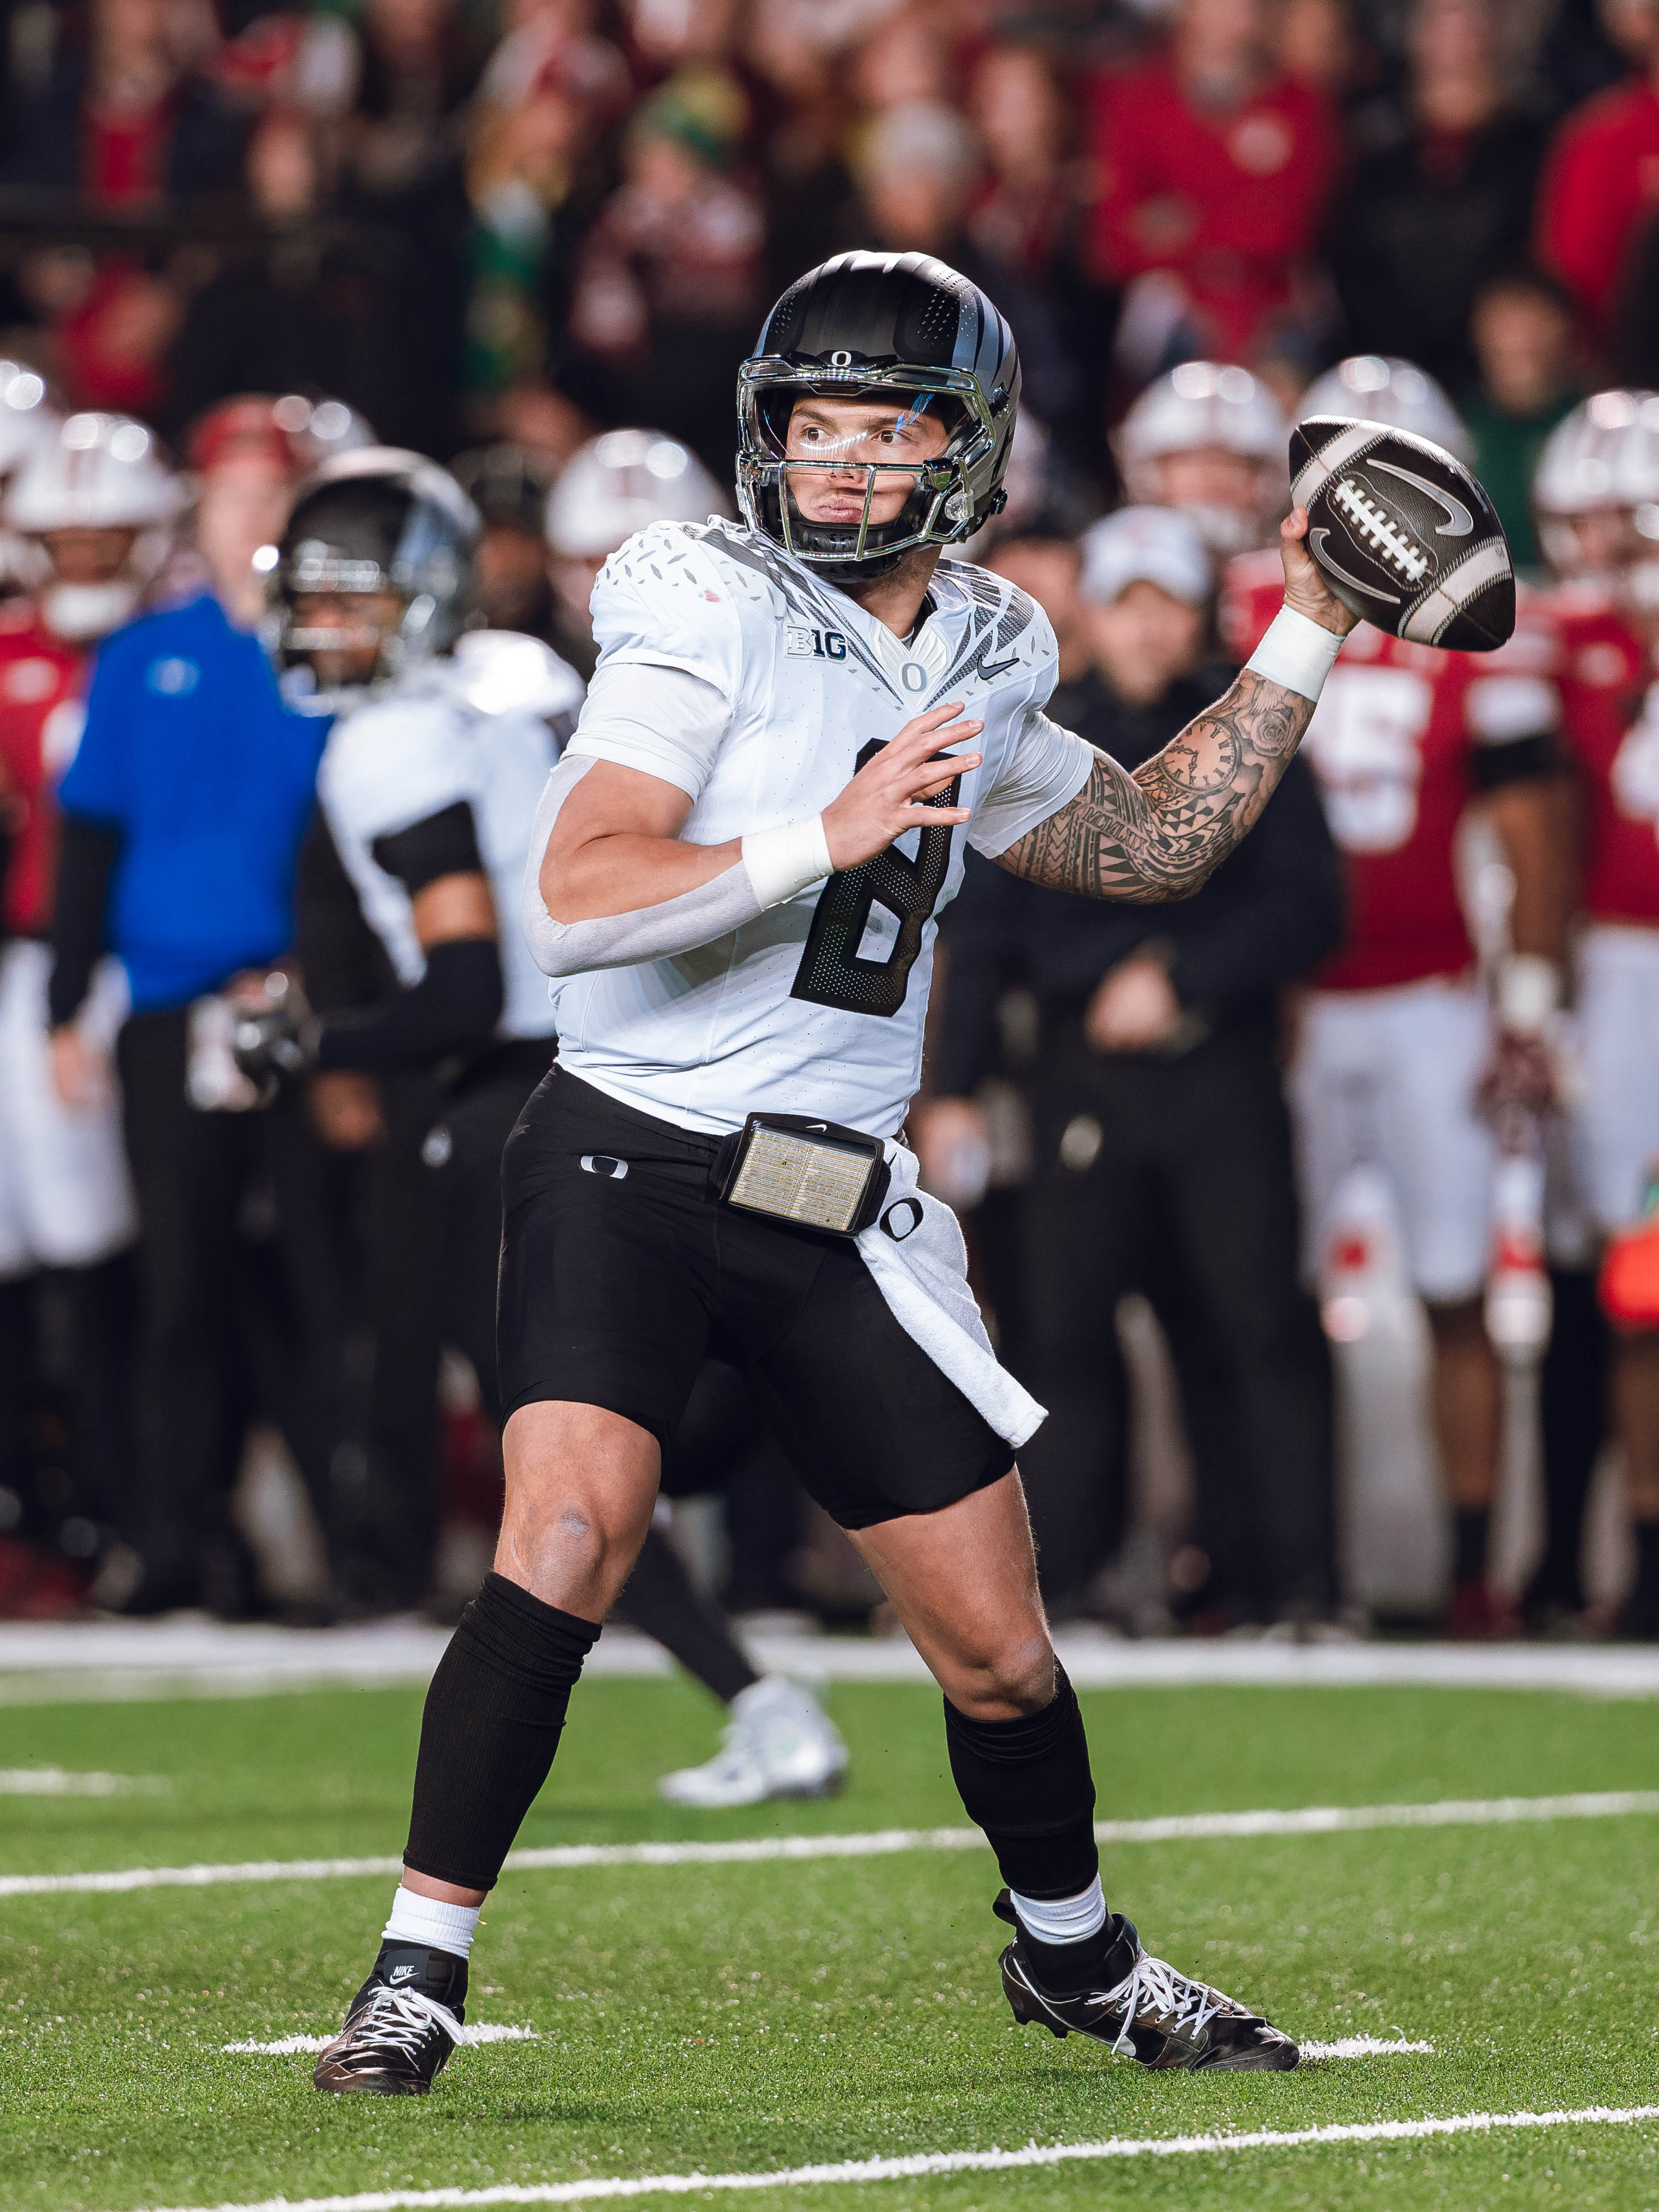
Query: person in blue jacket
x,y
183,810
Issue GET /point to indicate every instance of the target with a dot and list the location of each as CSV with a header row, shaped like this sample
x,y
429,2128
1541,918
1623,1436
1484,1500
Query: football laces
x,y
1373,526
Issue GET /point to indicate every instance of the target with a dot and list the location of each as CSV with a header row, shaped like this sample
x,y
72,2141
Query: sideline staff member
x,y
183,812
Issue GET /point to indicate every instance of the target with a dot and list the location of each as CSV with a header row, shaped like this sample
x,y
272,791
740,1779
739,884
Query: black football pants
x,y
1190,1200
203,1182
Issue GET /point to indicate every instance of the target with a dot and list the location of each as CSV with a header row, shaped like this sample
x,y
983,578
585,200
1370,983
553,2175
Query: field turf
x,y
746,2018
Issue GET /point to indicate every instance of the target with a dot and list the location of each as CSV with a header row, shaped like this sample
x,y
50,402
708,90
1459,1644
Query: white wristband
x,y
1296,652
781,862
1528,992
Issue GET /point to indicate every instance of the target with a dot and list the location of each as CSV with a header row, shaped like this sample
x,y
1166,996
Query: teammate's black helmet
x,y
862,326
381,519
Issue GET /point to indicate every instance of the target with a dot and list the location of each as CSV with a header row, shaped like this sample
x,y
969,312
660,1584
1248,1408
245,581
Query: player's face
x,y
1210,476
875,449
354,625
87,556
1145,640
243,506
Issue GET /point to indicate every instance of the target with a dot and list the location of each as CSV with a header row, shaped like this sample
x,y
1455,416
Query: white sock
x,y
428,1920
1063,1919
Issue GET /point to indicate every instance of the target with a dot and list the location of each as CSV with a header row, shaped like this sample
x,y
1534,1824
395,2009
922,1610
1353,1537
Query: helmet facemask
x,y
943,504
387,542
316,569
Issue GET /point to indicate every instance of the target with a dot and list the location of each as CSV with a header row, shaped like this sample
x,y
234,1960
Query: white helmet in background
x,y
1600,465
1374,387
98,472
26,422
1210,438
621,482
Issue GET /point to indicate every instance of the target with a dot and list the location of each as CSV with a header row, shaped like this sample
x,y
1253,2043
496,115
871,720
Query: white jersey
x,y
777,687
481,729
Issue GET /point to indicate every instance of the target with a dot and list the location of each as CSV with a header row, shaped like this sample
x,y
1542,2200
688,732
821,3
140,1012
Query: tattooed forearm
x,y
1160,833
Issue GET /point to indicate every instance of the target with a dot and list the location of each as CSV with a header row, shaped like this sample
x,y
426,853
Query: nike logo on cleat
x,y
401,1974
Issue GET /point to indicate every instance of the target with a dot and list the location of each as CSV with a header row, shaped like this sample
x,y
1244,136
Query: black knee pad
x,y
1027,1783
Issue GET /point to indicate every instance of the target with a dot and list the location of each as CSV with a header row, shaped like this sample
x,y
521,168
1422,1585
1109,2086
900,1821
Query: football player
x,y
1210,438
735,875
441,741
1406,739
89,518
1606,618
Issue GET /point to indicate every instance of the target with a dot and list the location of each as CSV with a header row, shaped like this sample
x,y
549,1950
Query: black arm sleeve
x,y
456,1004
344,962
1271,913
445,844
87,854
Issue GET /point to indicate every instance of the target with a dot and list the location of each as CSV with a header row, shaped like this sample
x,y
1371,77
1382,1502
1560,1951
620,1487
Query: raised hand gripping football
x,y
1305,587
885,798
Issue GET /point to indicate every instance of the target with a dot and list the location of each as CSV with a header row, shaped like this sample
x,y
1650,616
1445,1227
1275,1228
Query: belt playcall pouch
x,y
813,1175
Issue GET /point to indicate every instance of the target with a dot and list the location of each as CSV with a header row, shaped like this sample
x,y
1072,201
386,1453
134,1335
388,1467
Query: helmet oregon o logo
x,y
841,361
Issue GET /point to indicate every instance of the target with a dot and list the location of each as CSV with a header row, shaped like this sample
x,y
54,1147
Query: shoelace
x,y
1153,1985
400,2019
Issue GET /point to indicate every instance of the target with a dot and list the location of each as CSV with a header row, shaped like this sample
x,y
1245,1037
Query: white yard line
x,y
487,2031
883,1843
1366,2046
50,1663
924,2163
288,2047
60,1782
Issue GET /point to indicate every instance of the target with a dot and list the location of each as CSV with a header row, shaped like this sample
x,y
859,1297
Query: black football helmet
x,y
866,327
379,520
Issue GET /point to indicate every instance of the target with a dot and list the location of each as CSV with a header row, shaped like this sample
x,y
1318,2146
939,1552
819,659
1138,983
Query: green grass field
x,y
746,2018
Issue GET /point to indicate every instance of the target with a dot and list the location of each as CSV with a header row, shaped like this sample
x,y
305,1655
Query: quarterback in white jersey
x,y
734,878
729,673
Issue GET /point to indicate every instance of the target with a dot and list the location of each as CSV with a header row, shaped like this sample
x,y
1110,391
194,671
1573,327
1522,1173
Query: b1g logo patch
x,y
814,644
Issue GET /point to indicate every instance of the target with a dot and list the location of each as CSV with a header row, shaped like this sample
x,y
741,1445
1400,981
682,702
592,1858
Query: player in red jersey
x,y
88,517
1397,1037
1608,629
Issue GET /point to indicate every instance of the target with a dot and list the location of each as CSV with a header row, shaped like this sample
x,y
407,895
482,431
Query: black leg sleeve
x,y
1027,1783
494,1716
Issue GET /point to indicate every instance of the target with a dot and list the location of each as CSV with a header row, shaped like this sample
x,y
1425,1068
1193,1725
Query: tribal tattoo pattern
x,y
1160,833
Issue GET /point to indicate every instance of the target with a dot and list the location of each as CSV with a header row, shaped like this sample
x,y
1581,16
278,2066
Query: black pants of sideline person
x,y
202,1182
1189,1197
432,1227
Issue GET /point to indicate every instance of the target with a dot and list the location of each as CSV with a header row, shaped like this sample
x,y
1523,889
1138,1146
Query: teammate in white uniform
x,y
439,741
735,875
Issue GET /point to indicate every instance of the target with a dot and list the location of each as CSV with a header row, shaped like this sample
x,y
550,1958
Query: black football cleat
x,y
1143,2007
400,2028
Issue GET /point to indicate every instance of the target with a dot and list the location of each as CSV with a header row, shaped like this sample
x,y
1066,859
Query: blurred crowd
x,y
1402,1050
